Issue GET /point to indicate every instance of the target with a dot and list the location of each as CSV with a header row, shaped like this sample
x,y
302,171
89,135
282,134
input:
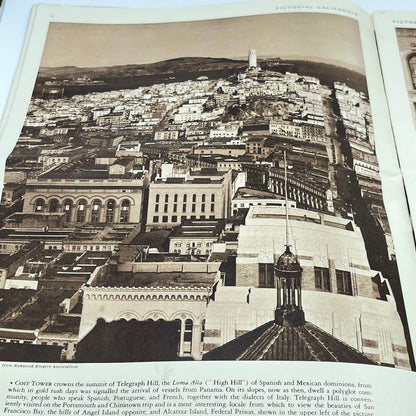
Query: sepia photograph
x,y
201,190
406,39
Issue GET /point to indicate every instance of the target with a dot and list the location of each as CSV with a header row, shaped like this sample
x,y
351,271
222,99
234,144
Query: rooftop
x,y
34,315
243,193
274,342
199,228
84,168
163,279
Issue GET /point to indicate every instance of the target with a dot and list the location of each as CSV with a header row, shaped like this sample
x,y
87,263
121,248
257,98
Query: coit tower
x,y
252,58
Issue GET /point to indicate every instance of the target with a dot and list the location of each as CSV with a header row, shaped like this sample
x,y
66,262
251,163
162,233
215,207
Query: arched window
x,y
187,336
67,208
184,199
53,205
96,211
203,196
82,207
109,212
157,202
39,205
412,69
178,324
125,211
175,203
165,208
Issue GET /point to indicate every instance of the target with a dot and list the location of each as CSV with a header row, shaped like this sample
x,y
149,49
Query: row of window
x,y
174,218
184,198
81,208
184,208
90,248
199,244
322,279
184,201
193,251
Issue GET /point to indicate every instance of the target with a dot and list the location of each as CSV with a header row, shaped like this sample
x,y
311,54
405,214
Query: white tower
x,y
252,58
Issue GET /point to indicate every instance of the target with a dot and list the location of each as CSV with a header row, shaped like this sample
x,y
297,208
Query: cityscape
x,y
198,208
406,40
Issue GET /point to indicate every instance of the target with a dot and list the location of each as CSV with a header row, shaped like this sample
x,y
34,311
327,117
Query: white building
x,y
340,292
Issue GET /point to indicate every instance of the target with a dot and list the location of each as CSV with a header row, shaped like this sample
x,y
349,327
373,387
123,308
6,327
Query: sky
x,y
322,37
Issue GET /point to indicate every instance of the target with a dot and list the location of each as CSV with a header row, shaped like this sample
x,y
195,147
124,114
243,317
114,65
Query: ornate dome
x,y
288,262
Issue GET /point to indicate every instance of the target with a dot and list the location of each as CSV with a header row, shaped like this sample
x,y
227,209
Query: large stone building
x,y
341,294
203,194
86,193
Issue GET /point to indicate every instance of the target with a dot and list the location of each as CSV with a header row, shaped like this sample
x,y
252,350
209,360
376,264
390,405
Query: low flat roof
x,y
164,279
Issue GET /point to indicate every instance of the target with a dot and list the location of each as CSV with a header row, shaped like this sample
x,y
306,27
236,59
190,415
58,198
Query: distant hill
x,y
181,69
171,66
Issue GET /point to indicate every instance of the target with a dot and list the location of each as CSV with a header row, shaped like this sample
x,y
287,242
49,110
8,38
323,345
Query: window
x,y
194,198
96,209
266,275
174,218
125,211
53,205
343,282
188,331
67,209
82,205
155,218
165,218
109,213
39,205
322,280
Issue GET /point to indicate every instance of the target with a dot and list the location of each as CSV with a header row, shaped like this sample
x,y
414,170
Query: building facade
x,y
203,196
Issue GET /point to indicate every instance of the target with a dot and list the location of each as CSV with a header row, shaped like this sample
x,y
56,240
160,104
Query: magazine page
x,y
190,192
395,33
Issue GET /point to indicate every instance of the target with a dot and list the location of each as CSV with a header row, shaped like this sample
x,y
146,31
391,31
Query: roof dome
x,y
288,262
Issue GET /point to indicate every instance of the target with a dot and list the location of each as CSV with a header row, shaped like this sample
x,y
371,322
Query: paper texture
x,y
139,199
